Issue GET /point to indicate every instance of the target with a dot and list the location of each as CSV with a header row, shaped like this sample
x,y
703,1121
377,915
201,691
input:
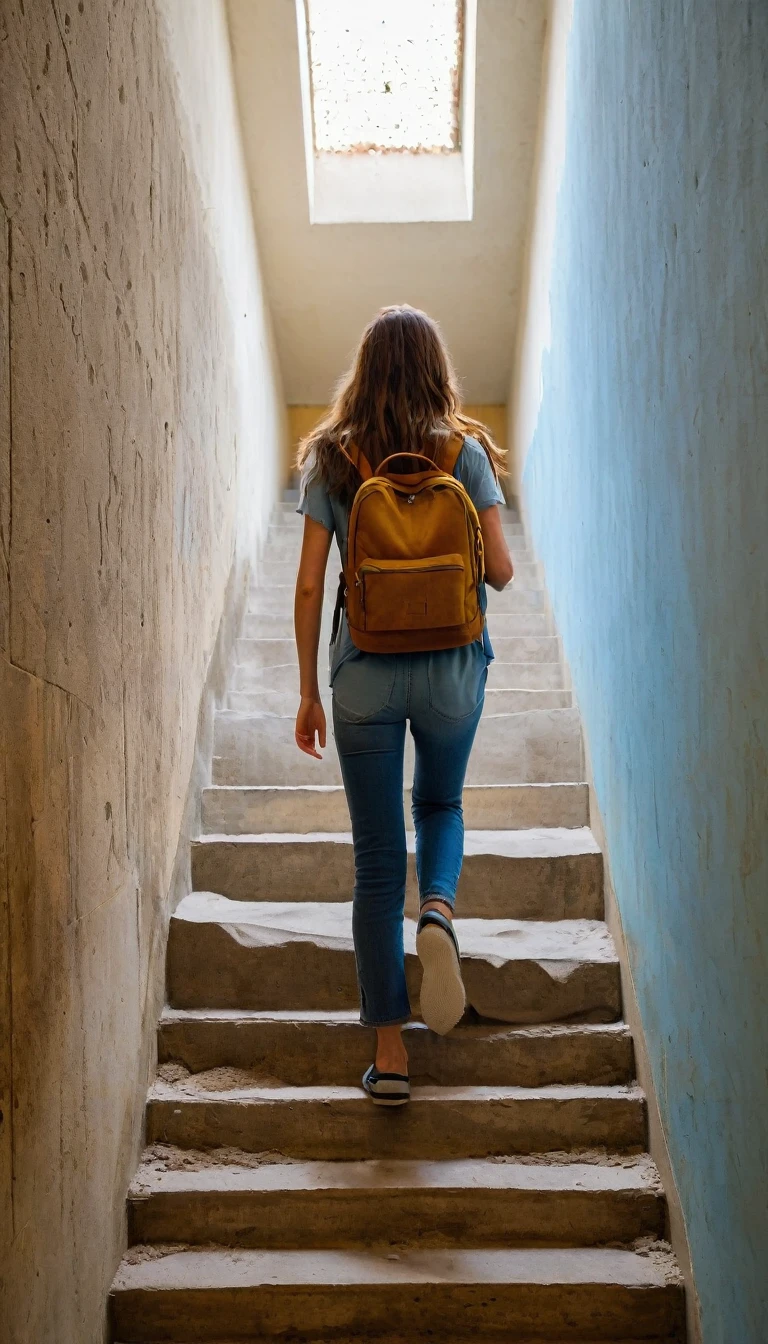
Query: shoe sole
x,y
380,1101
442,996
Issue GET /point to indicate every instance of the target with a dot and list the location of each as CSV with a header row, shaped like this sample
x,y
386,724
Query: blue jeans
x,y
373,696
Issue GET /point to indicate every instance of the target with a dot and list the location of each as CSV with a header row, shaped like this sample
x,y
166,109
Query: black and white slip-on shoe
x,y
442,996
387,1089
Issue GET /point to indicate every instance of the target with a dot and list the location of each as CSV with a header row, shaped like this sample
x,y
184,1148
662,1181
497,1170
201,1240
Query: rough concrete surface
x,y
643,397
138,408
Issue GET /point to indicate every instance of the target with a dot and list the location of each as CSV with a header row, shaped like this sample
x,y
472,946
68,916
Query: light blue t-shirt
x,y
476,475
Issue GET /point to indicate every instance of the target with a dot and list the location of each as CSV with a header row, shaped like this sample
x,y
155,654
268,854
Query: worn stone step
x,y
314,1047
240,954
564,1294
279,625
232,809
474,1202
266,652
331,1123
282,703
501,675
547,873
531,747
278,598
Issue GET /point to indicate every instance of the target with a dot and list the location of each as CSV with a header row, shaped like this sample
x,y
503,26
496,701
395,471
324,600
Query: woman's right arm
x,y
307,616
499,570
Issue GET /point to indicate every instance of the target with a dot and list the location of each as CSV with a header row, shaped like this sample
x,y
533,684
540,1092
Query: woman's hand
x,y
310,720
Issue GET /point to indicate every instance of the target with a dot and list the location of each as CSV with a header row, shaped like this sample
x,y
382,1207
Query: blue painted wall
x,y
647,486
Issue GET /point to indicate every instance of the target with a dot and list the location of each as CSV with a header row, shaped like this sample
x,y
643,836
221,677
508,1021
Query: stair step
x,y
541,746
265,652
475,1202
329,1123
205,1295
553,873
239,954
243,809
315,1047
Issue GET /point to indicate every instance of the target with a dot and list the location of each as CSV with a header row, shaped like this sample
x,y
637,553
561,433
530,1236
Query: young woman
x,y
400,395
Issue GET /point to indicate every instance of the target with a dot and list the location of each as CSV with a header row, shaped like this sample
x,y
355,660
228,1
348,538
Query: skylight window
x,y
385,75
388,102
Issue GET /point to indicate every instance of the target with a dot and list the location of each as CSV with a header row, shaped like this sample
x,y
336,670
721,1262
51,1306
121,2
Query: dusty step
x,y
311,1048
238,954
249,1294
265,652
279,625
475,1202
283,703
328,1123
547,873
242,809
501,675
541,746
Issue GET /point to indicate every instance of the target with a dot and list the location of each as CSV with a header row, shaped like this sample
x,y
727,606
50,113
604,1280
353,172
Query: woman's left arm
x,y
307,617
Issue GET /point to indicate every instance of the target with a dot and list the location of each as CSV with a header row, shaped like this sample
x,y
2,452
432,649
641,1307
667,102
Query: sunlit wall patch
x,y
388,102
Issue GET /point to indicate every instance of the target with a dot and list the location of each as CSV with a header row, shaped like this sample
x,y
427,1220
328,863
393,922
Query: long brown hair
x,y
399,395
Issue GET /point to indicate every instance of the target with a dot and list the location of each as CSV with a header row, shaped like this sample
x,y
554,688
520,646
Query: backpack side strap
x,y
449,453
358,459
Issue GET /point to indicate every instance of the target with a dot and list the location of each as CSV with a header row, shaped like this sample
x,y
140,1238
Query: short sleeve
x,y
476,475
314,500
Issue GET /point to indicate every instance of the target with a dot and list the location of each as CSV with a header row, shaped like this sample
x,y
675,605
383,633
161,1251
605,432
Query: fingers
x,y
321,733
306,744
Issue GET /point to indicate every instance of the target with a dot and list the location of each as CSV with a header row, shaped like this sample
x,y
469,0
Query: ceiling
x,y
325,281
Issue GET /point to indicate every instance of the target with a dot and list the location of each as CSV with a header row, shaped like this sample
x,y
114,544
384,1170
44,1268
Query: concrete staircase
x,y
513,1198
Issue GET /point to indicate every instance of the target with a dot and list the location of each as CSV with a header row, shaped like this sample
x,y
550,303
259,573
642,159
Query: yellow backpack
x,y
414,556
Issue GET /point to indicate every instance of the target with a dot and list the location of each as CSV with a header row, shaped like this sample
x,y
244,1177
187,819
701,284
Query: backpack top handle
x,y
448,453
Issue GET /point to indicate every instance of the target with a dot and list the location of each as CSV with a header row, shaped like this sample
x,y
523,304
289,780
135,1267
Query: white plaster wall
x,y
325,281
535,325
141,426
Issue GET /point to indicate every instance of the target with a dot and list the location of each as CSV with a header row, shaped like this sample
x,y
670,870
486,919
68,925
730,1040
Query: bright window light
x,y
385,75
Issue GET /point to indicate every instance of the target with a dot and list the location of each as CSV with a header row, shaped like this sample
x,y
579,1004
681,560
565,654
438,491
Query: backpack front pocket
x,y
427,594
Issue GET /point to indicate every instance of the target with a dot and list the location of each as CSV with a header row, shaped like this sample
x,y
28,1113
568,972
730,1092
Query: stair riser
x,y
208,968
306,1054
298,811
265,652
536,747
285,703
500,625
352,1130
555,1312
305,1220
490,886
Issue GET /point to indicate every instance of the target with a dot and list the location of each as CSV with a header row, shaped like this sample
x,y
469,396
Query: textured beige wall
x,y
141,428
326,281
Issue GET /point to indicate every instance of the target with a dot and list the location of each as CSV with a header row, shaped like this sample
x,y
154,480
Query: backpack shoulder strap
x,y
449,453
358,459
